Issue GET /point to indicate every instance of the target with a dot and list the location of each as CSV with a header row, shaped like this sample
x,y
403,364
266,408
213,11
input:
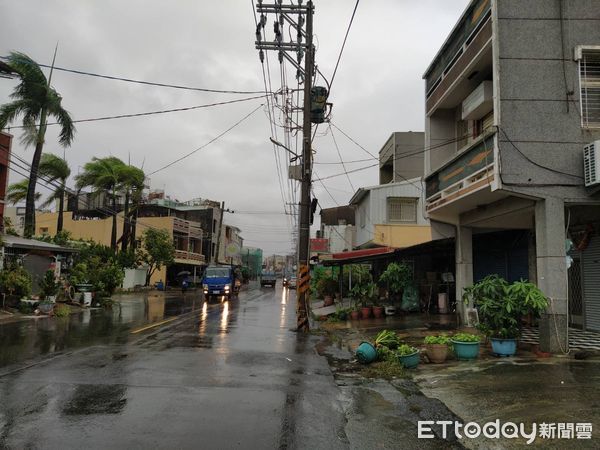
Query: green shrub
x,y
15,281
465,337
440,340
327,286
62,310
25,308
405,350
48,285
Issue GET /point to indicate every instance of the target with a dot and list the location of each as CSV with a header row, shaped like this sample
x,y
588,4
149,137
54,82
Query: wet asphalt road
x,y
210,375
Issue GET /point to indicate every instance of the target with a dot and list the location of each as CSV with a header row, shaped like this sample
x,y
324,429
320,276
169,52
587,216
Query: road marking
x,y
153,325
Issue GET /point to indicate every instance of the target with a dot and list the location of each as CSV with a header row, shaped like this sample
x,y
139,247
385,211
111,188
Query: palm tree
x,y
17,192
132,183
34,99
104,176
55,169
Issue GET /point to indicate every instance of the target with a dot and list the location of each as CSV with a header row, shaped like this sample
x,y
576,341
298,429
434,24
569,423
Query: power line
x,y
208,143
164,111
340,156
147,83
343,45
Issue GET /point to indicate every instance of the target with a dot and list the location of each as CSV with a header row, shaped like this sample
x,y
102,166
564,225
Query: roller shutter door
x,y
591,284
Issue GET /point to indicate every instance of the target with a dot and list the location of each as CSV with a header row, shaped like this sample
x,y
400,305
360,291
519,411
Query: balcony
x,y
192,229
183,257
465,54
472,171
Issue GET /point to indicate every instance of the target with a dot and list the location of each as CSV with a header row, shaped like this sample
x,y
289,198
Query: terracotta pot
x,y
437,353
378,311
354,315
365,312
328,300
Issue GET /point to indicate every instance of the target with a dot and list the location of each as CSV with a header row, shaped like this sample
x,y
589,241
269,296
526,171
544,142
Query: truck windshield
x,y
214,272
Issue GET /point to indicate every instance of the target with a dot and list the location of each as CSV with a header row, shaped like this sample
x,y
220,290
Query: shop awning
x,y
356,256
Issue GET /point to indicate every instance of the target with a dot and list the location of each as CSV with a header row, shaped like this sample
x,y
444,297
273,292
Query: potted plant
x,y
49,287
378,309
388,339
466,346
501,307
327,287
437,348
364,293
408,355
396,277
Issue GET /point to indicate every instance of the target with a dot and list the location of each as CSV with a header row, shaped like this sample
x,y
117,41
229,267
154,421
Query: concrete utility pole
x,y
219,235
296,15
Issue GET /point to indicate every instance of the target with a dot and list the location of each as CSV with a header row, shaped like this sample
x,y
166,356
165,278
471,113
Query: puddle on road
x,y
26,339
96,399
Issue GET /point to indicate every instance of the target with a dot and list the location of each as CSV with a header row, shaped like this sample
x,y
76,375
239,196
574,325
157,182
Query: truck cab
x,y
219,280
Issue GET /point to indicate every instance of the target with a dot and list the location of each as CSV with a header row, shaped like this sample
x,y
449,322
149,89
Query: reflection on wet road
x,y
222,374
26,339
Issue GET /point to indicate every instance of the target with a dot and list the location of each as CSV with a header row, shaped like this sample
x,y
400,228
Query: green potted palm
x,y
501,307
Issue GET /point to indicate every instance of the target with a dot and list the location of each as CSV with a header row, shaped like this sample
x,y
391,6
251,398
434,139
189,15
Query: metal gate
x,y
575,292
591,284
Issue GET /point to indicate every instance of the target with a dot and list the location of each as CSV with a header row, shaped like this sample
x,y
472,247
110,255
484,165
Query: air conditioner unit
x,y
591,161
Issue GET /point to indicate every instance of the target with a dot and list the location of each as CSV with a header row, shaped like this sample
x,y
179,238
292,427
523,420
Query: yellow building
x,y
187,237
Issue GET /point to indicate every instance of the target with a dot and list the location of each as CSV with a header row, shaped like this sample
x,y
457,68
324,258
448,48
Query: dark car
x,y
268,279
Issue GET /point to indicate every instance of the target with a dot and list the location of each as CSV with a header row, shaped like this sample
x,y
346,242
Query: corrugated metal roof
x,y
19,242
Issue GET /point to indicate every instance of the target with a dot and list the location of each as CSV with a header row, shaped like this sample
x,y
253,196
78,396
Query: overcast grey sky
x,y
378,89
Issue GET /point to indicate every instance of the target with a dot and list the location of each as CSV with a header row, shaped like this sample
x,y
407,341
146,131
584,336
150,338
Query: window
x,y
401,209
589,82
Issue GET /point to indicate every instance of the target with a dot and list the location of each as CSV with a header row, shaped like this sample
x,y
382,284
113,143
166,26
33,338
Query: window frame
x,y
580,53
403,200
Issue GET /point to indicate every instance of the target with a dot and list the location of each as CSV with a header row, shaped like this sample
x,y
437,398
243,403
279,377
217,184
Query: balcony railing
x,y
189,256
187,227
470,171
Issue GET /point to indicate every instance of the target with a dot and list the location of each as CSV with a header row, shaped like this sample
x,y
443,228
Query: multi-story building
x,y
401,157
512,98
14,217
5,146
187,237
231,244
252,258
337,227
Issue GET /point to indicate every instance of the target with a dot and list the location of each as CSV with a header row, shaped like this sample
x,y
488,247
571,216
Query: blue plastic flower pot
x,y
410,361
465,351
366,353
504,347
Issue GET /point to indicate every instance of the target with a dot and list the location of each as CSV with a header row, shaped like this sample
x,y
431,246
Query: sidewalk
x,y
522,389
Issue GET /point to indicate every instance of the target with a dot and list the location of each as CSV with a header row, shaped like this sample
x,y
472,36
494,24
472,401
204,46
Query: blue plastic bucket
x,y
410,361
465,351
504,347
366,353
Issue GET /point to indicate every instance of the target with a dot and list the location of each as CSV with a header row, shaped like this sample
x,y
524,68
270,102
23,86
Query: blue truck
x,y
220,280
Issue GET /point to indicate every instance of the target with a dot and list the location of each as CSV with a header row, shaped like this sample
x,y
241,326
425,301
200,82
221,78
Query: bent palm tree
x,y
34,99
17,192
131,183
55,169
103,176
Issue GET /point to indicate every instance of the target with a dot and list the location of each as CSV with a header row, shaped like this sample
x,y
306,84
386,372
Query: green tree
x,y
55,169
103,175
157,250
35,100
131,182
17,192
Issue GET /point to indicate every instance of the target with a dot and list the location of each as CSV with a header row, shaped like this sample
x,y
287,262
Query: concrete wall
x,y
440,127
133,278
375,206
534,113
100,230
408,167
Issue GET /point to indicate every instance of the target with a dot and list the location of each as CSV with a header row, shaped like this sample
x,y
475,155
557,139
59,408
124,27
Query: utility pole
x,y
296,15
220,230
